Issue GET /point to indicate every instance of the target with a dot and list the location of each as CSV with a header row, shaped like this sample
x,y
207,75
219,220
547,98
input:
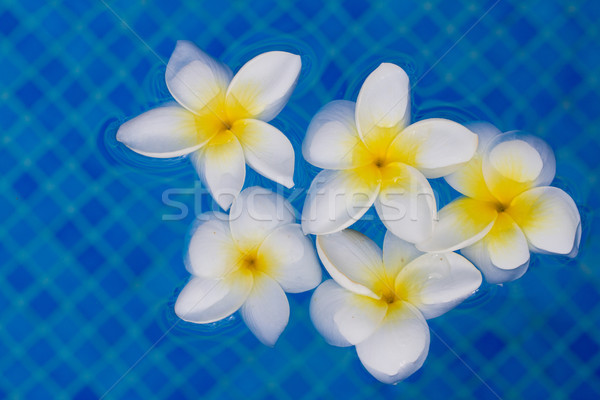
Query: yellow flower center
x,y
500,207
373,157
250,262
217,119
388,291
389,296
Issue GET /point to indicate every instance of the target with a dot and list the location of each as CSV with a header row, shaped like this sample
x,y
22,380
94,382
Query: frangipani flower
x,y
508,209
370,155
248,260
221,121
379,301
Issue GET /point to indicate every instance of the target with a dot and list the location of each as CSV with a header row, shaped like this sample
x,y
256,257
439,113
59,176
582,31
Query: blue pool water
x,y
91,254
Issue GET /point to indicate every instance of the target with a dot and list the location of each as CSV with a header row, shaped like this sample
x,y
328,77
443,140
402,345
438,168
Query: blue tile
x,y
29,94
561,322
585,347
122,47
90,306
116,236
41,352
8,22
227,359
54,70
79,48
286,23
88,354
102,24
51,117
75,94
94,211
138,261
91,259
44,304
17,373
332,27
30,47
49,162
560,371
155,379
7,161
72,141
489,344
584,392
112,331
332,73
63,374
22,233
426,29
205,381
20,278
523,31
93,167
121,96
47,210
55,24
68,234
72,186
356,8
179,358
86,393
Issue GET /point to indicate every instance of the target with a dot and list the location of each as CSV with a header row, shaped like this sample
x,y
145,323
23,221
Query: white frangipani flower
x,y
508,209
248,260
371,155
221,119
379,301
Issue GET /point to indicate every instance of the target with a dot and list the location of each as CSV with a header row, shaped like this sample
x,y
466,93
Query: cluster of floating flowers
x,y
377,300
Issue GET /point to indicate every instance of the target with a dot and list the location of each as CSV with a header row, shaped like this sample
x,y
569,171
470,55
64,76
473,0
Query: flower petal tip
x,y
288,183
305,228
225,204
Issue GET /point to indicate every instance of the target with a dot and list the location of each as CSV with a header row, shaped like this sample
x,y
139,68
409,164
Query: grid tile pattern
x,y
91,269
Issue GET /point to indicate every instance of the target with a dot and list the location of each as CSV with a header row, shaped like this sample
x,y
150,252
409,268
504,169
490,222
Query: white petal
x,y
336,200
332,141
434,146
257,212
461,223
205,300
436,283
291,259
262,87
549,218
163,132
212,253
479,255
267,150
485,133
397,253
506,244
342,317
266,311
468,180
398,347
383,101
406,204
515,162
222,168
352,259
195,79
